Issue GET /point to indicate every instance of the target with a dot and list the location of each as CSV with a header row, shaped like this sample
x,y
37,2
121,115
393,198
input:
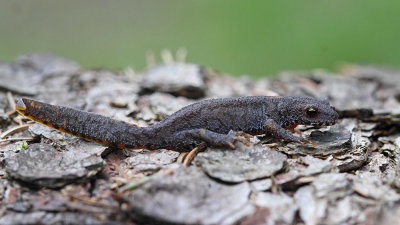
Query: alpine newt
x,y
214,122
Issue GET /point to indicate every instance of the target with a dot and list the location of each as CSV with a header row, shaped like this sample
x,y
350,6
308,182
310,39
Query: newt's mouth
x,y
326,123
316,124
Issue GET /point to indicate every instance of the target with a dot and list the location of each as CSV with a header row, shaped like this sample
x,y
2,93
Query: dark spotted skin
x,y
216,122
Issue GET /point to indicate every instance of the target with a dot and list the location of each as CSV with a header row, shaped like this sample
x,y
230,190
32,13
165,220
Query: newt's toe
x,y
243,135
309,142
231,145
303,141
243,142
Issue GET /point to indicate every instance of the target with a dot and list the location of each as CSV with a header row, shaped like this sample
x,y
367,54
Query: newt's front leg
x,y
272,128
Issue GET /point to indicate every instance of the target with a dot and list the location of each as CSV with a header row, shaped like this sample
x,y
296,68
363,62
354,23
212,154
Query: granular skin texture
x,y
215,122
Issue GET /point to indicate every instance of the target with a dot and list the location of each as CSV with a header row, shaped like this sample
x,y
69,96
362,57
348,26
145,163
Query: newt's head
x,y
306,111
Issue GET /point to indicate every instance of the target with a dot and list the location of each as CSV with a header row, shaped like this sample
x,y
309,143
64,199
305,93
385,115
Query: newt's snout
x,y
335,117
329,118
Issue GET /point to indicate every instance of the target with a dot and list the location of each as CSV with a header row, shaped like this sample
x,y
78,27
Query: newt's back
x,y
246,114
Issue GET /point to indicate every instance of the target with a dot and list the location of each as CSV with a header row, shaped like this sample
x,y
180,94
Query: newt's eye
x,y
311,112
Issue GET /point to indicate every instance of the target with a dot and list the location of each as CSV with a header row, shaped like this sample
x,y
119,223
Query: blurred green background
x,y
257,38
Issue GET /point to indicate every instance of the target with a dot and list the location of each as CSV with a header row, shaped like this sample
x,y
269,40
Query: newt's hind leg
x,y
211,138
207,137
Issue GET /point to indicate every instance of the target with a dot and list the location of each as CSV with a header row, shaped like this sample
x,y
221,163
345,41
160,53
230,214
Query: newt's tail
x,y
86,125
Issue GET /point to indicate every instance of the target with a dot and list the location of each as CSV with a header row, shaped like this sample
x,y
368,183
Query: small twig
x,y
134,184
9,113
182,157
11,101
78,206
120,180
181,54
150,59
192,154
274,186
91,201
14,130
166,56
129,71
18,119
18,139
272,145
304,180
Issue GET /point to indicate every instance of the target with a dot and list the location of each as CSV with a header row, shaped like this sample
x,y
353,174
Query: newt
x,y
213,122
